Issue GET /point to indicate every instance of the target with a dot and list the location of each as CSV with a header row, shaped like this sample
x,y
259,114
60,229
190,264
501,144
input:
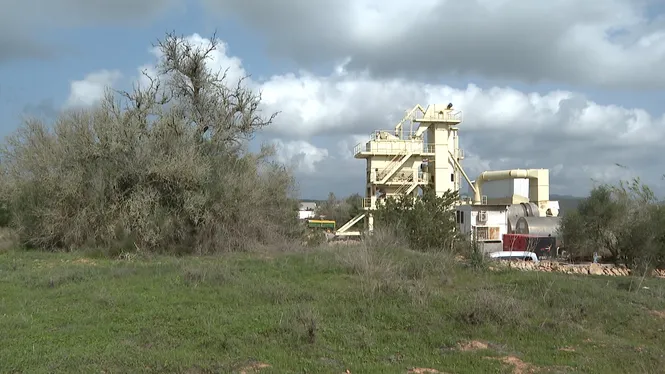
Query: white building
x,y
307,210
504,201
487,222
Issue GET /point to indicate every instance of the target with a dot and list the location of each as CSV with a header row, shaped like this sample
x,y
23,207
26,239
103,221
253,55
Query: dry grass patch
x,y
472,345
385,265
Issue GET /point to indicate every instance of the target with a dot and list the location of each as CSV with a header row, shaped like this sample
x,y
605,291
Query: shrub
x,y
340,211
385,266
167,170
427,221
487,306
5,216
624,220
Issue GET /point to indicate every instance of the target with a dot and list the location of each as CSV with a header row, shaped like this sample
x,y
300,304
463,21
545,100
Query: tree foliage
x,y
427,222
340,210
160,168
625,220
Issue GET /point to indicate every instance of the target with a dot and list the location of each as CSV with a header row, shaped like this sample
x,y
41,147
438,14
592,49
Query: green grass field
x,y
324,311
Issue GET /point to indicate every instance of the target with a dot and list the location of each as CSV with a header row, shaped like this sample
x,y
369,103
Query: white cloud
x,y
90,90
356,103
610,43
299,154
578,139
346,146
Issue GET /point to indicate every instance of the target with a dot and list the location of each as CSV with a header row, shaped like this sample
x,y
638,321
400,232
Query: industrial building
x,y
423,150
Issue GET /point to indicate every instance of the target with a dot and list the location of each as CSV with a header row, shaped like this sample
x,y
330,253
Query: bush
x,y
5,216
385,265
487,306
427,222
340,211
166,171
625,221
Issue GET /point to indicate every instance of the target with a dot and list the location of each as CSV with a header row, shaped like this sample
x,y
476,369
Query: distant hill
x,y
566,202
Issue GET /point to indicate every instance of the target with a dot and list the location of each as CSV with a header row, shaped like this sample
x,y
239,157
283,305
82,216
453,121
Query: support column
x,y
442,168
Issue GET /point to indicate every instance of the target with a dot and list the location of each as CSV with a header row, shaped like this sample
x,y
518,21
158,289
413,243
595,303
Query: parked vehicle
x,y
514,255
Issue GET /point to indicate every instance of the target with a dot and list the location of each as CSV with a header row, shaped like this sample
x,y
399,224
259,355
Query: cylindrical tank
x,y
511,225
523,210
516,211
541,226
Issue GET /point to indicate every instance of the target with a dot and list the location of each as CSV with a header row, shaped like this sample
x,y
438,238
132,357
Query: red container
x,y
540,245
514,242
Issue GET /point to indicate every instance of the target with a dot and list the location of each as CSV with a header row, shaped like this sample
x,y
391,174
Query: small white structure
x,y
307,210
487,222
306,214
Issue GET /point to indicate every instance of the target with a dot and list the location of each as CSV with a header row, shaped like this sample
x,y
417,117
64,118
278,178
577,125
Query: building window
x,y
452,177
459,217
482,233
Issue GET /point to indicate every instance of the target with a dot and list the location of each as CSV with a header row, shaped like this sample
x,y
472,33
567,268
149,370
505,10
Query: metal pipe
x,y
533,174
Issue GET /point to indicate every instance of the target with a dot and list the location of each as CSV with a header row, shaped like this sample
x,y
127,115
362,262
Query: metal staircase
x,y
408,186
344,230
395,164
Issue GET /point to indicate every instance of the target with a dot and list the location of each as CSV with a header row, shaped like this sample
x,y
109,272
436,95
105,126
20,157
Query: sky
x,y
573,86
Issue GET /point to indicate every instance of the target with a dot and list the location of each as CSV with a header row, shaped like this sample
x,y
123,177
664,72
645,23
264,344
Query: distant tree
x,y
355,205
328,207
428,221
338,210
625,220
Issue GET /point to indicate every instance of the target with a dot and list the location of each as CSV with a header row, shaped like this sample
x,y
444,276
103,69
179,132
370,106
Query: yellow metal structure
x,y
319,223
423,149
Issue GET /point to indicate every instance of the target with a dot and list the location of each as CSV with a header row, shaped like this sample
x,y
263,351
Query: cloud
x,y
44,109
15,46
299,154
611,43
91,89
323,116
22,23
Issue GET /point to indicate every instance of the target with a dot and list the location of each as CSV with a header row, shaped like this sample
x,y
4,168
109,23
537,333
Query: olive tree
x,y
161,168
625,221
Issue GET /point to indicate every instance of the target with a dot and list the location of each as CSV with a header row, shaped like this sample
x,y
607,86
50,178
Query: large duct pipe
x,y
539,186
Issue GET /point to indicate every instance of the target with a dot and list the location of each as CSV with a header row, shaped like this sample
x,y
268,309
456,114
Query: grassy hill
x,y
366,310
